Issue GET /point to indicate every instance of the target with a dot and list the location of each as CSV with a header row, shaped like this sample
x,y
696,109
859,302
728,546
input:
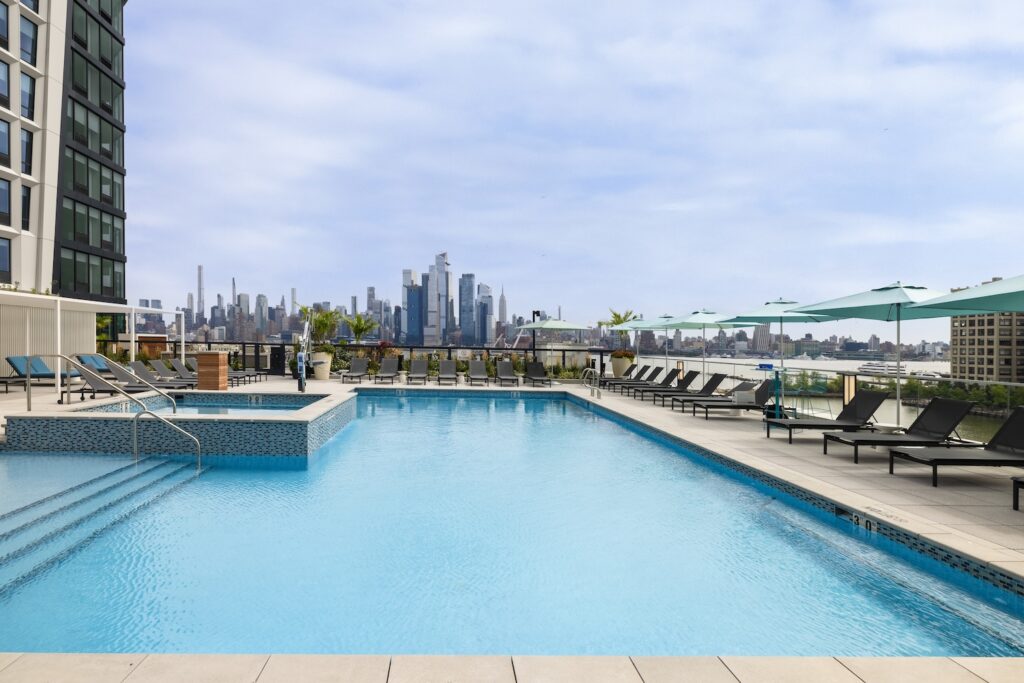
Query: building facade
x,y
987,347
62,211
62,147
467,304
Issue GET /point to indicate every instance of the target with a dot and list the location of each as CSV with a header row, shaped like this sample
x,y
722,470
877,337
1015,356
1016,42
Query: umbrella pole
x,y
782,362
704,352
899,370
666,350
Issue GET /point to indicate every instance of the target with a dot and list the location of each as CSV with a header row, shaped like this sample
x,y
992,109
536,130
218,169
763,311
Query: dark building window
x,y
5,82
29,33
3,26
32,5
26,151
26,207
5,143
5,261
5,202
28,96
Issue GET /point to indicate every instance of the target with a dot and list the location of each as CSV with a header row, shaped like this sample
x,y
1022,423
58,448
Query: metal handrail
x,y
135,435
80,367
591,374
135,420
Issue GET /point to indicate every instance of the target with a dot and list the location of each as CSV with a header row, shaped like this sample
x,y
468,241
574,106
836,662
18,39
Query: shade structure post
x,y
60,361
181,337
131,335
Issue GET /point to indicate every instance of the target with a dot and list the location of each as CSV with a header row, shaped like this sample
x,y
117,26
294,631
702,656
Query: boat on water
x,y
889,370
882,368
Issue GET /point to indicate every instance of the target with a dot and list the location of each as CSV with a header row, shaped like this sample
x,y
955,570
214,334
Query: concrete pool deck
x,y
95,668
969,512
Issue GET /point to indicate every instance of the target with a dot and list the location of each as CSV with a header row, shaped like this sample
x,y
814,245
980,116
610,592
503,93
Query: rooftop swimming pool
x,y
438,524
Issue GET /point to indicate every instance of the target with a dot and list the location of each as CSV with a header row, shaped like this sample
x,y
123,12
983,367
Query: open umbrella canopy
x,y
554,326
779,311
1001,296
628,326
892,302
658,323
701,319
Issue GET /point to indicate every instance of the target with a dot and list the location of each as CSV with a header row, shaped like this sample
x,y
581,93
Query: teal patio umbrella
x,y
702,320
893,302
554,325
779,311
1001,296
659,323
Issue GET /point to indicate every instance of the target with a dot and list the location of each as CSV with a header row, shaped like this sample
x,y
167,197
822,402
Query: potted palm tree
x,y
621,357
323,325
361,325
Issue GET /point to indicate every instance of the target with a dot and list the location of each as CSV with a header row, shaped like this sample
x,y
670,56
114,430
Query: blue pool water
x,y
440,525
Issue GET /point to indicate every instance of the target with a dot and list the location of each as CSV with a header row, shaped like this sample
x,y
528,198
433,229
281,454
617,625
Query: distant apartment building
x,y
62,147
987,347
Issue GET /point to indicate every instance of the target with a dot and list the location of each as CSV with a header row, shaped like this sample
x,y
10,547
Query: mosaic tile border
x,y
221,398
859,521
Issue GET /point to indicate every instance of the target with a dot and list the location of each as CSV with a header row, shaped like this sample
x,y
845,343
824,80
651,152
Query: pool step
x,y
37,543
74,495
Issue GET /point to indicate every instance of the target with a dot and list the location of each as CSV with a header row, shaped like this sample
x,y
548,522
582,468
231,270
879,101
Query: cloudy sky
x,y
648,155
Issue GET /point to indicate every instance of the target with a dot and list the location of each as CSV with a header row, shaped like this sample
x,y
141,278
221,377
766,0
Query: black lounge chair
x,y
631,389
417,372
125,377
388,371
682,387
447,372
626,375
171,374
477,372
1006,449
506,373
764,391
855,416
358,368
144,372
96,384
706,391
931,428
536,374
647,381
638,374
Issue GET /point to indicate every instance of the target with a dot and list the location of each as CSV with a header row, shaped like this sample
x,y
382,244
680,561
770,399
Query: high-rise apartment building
x,y
467,304
987,347
62,218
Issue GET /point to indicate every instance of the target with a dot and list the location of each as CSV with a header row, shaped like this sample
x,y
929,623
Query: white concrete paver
x,y
530,669
326,669
70,668
993,669
199,669
451,669
789,670
675,669
908,670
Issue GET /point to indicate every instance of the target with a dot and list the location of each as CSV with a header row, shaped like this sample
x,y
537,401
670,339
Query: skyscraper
x,y
439,302
234,295
355,307
62,193
243,305
502,307
413,312
262,312
467,304
371,300
484,315
408,279
295,302
200,301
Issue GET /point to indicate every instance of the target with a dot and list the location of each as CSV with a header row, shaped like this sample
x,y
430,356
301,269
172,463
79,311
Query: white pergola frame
x,y
58,304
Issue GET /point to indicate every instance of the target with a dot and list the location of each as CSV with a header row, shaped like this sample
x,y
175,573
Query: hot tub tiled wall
x,y
234,438
197,398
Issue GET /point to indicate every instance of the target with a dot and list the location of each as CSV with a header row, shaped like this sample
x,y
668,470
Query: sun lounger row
x,y
447,373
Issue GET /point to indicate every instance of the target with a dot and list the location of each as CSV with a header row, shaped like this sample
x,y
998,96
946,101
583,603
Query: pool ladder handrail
x,y
135,420
81,367
590,375
135,435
